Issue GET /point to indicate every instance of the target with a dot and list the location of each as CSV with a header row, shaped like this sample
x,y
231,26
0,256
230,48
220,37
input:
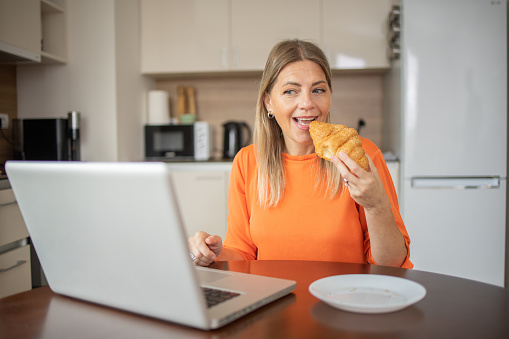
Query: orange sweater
x,y
304,225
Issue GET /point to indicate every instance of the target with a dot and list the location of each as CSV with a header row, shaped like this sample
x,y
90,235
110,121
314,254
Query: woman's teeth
x,y
304,121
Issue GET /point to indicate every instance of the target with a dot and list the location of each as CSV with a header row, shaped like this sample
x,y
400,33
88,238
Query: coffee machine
x,y
47,138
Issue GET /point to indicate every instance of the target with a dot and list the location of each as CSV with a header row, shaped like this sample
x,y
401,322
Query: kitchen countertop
x,y
187,161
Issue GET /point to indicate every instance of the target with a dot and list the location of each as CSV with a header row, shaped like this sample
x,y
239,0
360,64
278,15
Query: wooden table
x,y
452,308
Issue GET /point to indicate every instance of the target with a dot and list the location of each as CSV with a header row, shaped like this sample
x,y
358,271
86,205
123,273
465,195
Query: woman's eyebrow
x,y
319,82
292,83
298,84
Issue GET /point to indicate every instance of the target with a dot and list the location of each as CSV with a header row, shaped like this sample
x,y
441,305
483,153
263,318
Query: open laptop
x,y
111,233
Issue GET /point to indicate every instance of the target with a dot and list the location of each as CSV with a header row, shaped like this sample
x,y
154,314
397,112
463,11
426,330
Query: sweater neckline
x,y
305,157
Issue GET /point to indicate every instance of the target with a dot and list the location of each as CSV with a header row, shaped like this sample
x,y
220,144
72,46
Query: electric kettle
x,y
236,136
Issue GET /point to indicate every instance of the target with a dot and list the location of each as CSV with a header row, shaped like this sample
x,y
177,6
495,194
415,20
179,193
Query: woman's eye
x,y
319,90
289,91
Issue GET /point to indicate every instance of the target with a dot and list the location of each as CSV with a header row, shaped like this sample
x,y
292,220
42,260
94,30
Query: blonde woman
x,y
286,203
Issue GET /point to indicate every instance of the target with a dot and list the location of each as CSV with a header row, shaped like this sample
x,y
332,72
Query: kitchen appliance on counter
x,y
236,136
446,118
178,142
47,138
73,128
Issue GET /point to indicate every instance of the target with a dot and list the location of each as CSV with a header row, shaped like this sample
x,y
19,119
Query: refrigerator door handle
x,y
456,182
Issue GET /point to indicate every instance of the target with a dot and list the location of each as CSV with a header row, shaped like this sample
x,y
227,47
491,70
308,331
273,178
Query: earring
x,y
270,114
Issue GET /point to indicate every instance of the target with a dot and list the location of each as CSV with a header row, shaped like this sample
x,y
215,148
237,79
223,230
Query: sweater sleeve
x,y
376,155
238,234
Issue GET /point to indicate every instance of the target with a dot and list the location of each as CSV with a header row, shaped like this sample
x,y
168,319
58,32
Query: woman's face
x,y
299,95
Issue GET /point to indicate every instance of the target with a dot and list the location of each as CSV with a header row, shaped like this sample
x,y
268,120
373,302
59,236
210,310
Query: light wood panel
x,y
8,105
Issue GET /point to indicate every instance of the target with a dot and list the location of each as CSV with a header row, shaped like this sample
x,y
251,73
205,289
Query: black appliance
x,y
236,136
47,139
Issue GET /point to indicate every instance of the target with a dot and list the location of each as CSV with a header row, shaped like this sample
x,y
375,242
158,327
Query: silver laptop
x,y
111,233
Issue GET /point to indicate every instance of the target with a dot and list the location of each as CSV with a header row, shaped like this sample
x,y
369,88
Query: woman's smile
x,y
302,123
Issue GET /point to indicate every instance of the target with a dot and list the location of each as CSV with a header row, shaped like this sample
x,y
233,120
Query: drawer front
x,y
15,274
7,196
12,225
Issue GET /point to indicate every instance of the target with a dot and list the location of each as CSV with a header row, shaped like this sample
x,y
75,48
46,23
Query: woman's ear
x,y
266,101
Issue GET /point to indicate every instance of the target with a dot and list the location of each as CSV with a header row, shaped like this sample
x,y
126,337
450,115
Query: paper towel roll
x,y
158,108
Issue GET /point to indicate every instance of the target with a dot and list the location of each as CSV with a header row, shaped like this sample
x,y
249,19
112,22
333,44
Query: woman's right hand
x,y
205,248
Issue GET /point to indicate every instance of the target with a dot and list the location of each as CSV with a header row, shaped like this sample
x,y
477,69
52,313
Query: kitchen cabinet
x,y
200,36
355,33
20,25
184,36
15,272
202,195
256,26
33,30
53,31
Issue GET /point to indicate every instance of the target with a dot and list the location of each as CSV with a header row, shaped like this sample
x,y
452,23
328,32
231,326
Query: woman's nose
x,y
306,101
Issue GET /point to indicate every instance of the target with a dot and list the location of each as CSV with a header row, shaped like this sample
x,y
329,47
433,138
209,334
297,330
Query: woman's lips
x,y
303,123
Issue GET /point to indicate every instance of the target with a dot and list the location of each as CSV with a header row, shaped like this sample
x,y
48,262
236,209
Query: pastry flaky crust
x,y
330,139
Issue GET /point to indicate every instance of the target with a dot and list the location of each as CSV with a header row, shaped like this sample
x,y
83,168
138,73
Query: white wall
x,y
101,80
131,87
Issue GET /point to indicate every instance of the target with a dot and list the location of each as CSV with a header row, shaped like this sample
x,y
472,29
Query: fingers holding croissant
x,y
330,139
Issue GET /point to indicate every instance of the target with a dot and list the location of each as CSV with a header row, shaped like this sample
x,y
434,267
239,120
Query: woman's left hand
x,y
365,187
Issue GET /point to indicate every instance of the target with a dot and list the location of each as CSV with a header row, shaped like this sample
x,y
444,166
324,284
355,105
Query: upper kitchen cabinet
x,y
53,31
33,30
355,33
203,36
184,36
20,25
256,26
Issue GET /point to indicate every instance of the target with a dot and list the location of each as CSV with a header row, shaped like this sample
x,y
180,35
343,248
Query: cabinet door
x,y
258,25
184,36
15,276
202,198
20,28
355,33
12,226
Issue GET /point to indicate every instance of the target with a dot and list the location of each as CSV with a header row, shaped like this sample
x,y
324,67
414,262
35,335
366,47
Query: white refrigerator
x,y
445,116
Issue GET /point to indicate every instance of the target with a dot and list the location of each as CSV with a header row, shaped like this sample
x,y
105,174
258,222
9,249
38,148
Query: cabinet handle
x,y
19,263
8,203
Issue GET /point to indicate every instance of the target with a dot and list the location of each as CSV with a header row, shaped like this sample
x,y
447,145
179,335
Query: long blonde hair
x,y
268,136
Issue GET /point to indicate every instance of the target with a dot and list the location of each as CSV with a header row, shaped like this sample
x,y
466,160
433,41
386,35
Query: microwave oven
x,y
178,142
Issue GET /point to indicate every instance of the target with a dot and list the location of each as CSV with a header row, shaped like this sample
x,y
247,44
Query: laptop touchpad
x,y
210,275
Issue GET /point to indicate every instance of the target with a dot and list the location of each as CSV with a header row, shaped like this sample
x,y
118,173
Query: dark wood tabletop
x,y
452,308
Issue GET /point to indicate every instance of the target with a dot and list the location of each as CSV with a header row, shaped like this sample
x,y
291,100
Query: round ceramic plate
x,y
367,293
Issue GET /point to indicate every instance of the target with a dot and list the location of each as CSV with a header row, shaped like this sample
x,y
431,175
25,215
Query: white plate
x,y
367,293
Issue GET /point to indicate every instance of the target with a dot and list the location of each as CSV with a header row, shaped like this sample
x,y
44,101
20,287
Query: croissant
x,y
330,139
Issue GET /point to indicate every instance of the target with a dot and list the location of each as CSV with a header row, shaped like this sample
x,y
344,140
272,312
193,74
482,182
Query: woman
x,y
287,203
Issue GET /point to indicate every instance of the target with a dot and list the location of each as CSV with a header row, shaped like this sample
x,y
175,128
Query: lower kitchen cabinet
x,y
15,276
15,266
202,194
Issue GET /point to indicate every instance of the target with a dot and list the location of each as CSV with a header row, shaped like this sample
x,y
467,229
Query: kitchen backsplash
x,y
220,99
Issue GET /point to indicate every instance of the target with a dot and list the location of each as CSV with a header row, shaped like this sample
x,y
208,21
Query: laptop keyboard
x,y
215,297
